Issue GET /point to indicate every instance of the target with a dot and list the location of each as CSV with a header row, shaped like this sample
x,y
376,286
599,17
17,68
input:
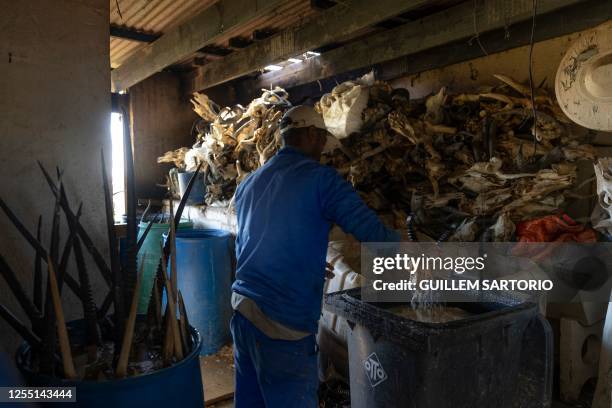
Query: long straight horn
x,y
183,324
85,238
168,341
20,328
172,237
130,189
117,287
62,275
178,347
62,332
55,230
106,304
88,304
18,290
128,335
23,230
37,290
157,302
142,238
183,202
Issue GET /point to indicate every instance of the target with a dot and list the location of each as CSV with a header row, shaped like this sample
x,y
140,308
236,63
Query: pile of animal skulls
x,y
232,141
468,166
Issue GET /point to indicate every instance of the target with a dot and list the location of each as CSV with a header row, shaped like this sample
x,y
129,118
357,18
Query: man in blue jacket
x,y
285,211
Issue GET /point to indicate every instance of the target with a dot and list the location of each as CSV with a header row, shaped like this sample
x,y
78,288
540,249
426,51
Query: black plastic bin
x,y
499,357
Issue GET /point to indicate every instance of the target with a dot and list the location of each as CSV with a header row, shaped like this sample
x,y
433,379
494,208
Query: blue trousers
x,y
273,373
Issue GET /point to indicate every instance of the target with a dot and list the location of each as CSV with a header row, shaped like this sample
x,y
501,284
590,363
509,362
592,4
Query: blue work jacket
x,y
285,211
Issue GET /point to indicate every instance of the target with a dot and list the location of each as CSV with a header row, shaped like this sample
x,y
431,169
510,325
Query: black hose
x,y
412,237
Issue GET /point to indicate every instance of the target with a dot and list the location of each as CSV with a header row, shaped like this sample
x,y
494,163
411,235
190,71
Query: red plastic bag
x,y
554,228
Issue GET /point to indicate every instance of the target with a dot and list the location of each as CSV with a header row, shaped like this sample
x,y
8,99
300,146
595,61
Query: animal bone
x,y
203,106
434,105
466,231
176,157
602,213
464,155
503,229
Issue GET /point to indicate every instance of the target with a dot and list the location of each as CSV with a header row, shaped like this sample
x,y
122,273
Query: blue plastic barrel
x,y
203,261
180,383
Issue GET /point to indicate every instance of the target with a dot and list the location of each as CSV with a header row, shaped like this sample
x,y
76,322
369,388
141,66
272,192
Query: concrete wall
x,y
161,120
55,107
468,76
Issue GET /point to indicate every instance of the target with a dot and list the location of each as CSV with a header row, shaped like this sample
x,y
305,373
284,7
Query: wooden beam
x,y
437,30
126,33
239,42
322,4
215,50
262,34
184,40
337,22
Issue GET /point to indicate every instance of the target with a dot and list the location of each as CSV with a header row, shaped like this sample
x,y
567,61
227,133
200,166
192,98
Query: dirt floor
x,y
218,377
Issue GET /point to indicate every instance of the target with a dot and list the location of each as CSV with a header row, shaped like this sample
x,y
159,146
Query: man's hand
x,y
329,271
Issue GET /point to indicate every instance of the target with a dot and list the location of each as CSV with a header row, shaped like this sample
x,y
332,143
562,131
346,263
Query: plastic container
x,y
333,329
204,264
181,382
150,253
500,356
198,191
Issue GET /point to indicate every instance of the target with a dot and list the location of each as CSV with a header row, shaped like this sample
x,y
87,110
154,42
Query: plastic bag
x,y
342,108
554,228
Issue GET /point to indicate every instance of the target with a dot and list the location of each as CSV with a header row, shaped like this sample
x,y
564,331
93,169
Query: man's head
x,y
303,128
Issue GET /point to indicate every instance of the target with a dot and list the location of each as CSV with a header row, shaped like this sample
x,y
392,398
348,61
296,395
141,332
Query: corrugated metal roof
x,y
154,16
159,16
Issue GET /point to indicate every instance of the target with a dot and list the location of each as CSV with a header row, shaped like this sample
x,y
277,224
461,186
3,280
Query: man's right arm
x,y
341,204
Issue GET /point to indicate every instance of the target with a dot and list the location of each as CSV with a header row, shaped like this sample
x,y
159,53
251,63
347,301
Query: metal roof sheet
x,y
159,16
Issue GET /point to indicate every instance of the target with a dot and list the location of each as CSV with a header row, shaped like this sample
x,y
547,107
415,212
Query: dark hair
x,y
292,137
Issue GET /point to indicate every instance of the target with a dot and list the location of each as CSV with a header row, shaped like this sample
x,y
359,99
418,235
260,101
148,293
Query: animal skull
x,y
602,214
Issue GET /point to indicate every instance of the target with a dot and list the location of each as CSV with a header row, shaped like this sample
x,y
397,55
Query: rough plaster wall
x,y
161,120
54,106
469,75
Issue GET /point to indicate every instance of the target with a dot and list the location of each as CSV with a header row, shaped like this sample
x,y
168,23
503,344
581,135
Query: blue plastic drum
x,y
180,383
204,264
